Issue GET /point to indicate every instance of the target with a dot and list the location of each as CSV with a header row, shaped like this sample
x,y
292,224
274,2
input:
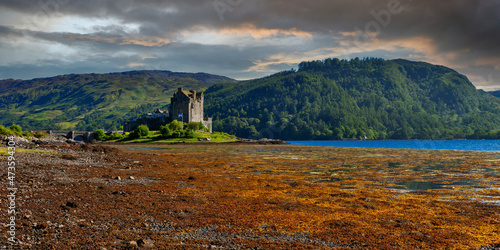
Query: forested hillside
x,y
340,99
92,101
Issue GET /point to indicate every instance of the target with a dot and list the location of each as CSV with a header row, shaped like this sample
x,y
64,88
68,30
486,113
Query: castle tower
x,y
189,104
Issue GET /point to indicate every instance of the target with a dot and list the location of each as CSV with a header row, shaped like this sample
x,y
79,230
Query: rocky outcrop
x,y
35,142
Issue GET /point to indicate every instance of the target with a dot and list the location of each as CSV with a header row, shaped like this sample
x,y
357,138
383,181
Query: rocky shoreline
x,y
36,142
235,196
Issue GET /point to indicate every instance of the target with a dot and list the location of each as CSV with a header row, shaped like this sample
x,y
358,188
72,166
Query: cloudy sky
x,y
244,39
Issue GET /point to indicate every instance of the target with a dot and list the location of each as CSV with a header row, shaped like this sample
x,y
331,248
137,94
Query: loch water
x,y
468,145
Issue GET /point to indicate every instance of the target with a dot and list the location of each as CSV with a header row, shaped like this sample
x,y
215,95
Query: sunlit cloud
x,y
260,33
146,42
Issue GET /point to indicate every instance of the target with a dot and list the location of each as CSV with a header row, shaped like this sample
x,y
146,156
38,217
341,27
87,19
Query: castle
x,y
185,106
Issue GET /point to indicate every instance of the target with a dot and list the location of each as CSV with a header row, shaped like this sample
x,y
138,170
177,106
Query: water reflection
x,y
428,185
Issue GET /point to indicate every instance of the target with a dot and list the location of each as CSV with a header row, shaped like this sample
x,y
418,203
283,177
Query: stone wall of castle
x,y
207,122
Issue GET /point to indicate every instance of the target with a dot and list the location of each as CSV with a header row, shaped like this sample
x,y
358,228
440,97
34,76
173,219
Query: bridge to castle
x,y
86,136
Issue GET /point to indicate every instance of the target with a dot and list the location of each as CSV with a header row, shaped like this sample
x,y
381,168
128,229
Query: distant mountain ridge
x,y
91,101
200,76
495,93
340,99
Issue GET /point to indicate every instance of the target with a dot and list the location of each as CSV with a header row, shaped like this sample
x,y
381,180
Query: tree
x,y
338,134
4,131
195,126
16,129
175,125
100,135
189,133
116,136
140,131
178,133
165,131
252,132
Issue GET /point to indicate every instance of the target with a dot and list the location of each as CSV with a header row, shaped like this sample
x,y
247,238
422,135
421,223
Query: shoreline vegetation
x,y
170,133
237,195
173,132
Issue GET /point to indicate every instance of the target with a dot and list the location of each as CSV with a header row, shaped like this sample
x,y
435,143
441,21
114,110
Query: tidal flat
x,y
246,196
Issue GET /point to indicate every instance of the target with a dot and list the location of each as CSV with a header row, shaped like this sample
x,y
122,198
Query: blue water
x,y
470,145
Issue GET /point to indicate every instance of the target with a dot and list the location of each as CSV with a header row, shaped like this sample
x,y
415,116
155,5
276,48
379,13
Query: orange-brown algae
x,y
196,196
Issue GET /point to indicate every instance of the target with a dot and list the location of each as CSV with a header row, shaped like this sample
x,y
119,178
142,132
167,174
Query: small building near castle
x,y
185,106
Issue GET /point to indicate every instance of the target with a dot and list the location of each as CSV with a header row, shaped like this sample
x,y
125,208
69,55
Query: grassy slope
x,y
155,137
102,99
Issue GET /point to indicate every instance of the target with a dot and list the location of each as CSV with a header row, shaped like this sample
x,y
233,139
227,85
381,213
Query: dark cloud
x,y
462,34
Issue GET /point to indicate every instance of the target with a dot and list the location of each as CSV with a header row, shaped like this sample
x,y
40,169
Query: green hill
x,y
92,101
495,93
339,99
